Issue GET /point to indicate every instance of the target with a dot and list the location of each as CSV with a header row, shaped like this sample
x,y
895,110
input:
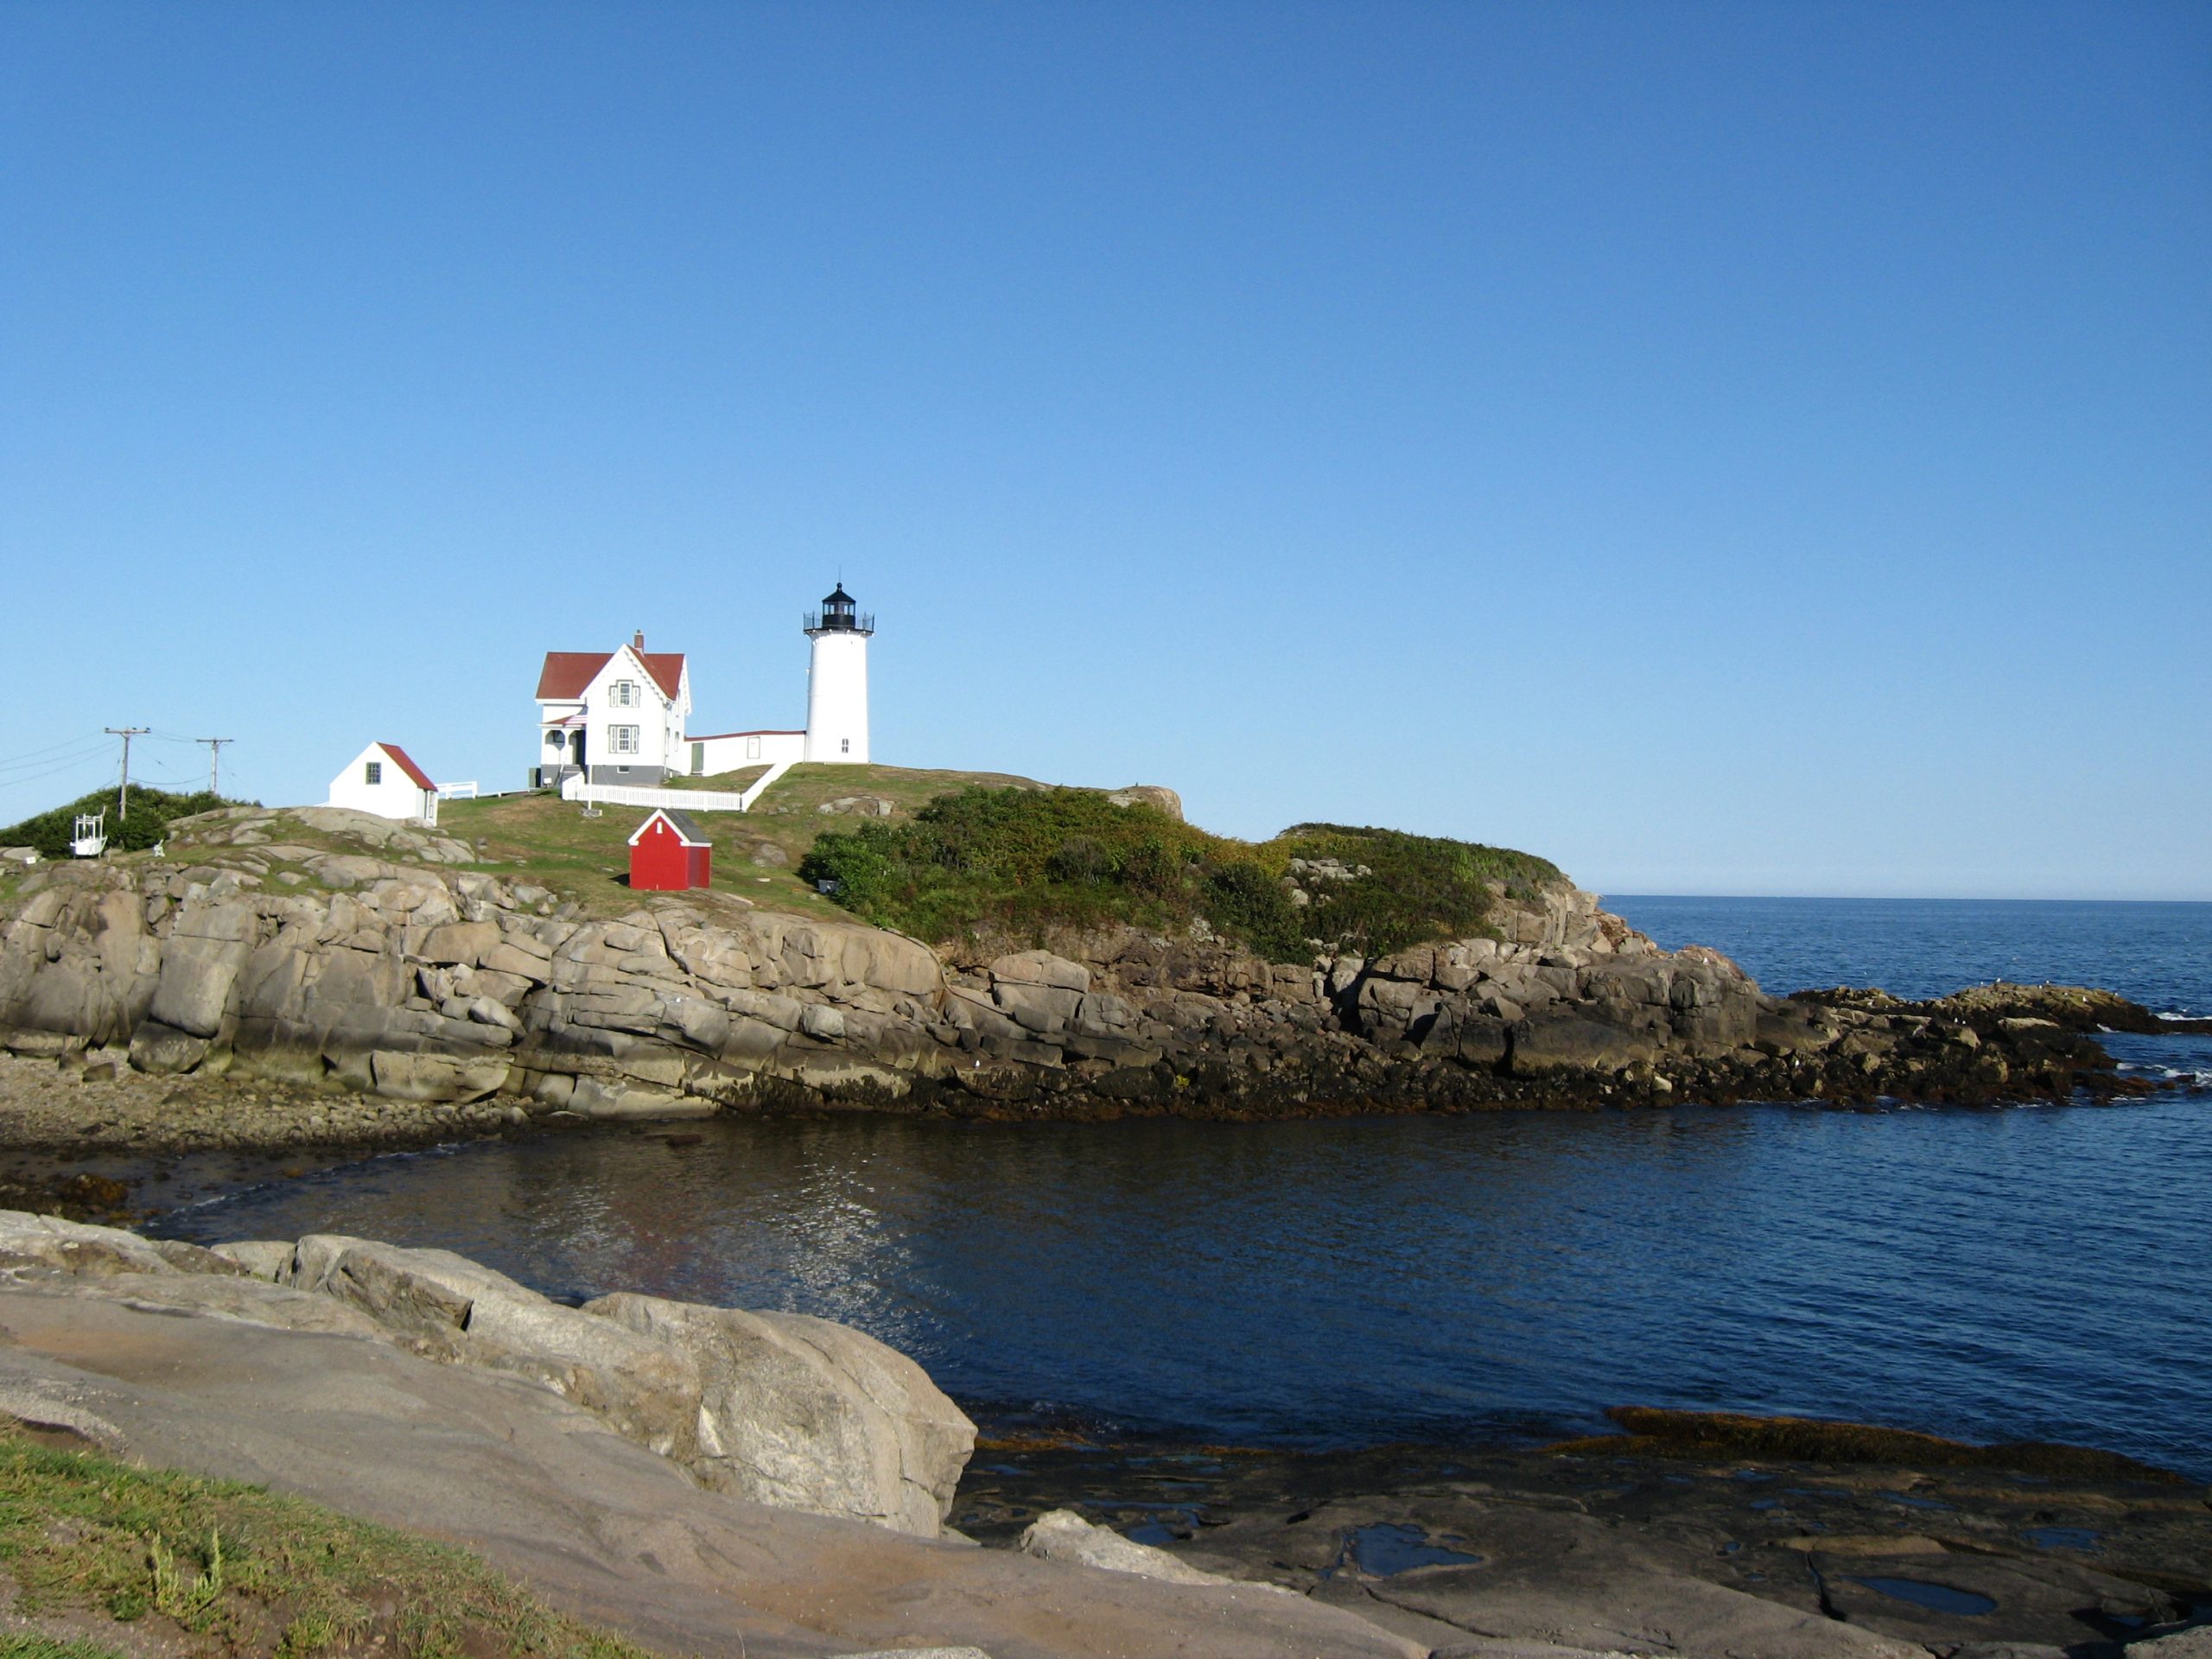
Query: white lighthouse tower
x,y
836,680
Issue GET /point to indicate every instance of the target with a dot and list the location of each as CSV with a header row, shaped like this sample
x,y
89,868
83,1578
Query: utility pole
x,y
126,732
214,755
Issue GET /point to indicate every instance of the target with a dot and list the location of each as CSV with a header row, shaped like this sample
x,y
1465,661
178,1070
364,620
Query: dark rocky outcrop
x,y
1751,1538
405,977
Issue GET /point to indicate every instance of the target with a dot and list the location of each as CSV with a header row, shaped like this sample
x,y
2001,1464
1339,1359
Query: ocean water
x,y
2026,1273
2160,954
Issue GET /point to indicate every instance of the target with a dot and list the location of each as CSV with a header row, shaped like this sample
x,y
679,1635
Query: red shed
x,y
669,855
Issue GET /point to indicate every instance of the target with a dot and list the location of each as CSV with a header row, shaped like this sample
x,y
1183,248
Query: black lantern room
x,y
838,615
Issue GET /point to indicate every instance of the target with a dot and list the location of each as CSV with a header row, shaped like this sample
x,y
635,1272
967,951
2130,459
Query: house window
x,y
374,773
753,748
845,745
623,693
622,740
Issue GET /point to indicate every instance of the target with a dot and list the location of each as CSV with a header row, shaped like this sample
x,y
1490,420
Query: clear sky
x,y
1725,449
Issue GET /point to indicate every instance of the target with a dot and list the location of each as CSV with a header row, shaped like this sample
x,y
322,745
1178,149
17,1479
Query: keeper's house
x,y
383,779
617,716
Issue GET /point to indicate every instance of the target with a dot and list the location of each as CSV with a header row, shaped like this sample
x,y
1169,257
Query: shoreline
x,y
83,1137
321,951
1772,1538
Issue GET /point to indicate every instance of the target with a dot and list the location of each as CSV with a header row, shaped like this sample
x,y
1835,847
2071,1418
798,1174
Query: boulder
x,y
1040,968
808,1415
645,1389
1064,1535
257,1258
437,1077
1158,796
197,974
465,943
160,1049
2183,1644
1041,1008
77,1247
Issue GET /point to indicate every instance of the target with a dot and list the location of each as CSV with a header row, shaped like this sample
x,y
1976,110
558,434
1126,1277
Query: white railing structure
x,y
459,792
89,839
753,792
575,787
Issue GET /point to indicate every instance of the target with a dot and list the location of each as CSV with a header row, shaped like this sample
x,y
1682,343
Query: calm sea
x,y
2030,1273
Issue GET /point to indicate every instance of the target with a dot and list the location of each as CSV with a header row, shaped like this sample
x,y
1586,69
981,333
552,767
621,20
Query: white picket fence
x,y
679,800
575,788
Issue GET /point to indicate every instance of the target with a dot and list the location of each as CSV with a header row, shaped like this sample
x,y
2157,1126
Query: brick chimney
x,y
638,642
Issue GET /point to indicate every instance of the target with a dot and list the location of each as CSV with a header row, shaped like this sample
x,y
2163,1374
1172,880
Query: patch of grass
x,y
48,1647
252,1572
152,809
744,778
1030,861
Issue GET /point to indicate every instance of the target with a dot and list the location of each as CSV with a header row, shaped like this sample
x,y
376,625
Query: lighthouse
x,y
836,680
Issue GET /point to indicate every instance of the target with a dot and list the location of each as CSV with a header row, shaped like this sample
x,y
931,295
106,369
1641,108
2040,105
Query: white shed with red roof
x,y
383,778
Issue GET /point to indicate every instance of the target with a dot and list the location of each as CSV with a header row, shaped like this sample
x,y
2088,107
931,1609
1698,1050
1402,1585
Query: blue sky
x,y
1724,448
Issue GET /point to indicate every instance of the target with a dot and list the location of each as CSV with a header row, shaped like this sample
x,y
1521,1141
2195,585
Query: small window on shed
x,y
374,773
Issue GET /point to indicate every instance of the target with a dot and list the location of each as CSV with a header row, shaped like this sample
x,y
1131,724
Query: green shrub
x,y
1026,862
151,812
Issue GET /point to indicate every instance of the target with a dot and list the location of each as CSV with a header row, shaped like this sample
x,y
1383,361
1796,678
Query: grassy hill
x,y
939,855
756,853
987,863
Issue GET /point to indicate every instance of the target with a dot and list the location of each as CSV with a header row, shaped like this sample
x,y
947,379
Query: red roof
x,y
567,673
400,758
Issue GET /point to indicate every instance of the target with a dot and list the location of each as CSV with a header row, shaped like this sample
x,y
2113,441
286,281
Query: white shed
x,y
384,780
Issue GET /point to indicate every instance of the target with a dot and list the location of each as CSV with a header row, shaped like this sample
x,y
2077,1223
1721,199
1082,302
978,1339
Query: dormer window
x,y
623,693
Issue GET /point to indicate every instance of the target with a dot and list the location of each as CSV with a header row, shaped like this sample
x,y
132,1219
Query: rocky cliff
x,y
360,956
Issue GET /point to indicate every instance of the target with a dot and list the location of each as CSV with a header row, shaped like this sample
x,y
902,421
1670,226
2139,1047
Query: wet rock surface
x,y
1651,1554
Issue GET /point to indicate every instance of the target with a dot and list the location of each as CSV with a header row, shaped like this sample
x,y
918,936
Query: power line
x,y
52,772
60,755
65,743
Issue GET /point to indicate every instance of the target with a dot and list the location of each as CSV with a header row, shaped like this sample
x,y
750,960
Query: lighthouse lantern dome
x,y
839,614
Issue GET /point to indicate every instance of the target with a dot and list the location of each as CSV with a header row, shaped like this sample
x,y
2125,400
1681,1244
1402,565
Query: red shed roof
x,y
567,673
686,830
402,760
